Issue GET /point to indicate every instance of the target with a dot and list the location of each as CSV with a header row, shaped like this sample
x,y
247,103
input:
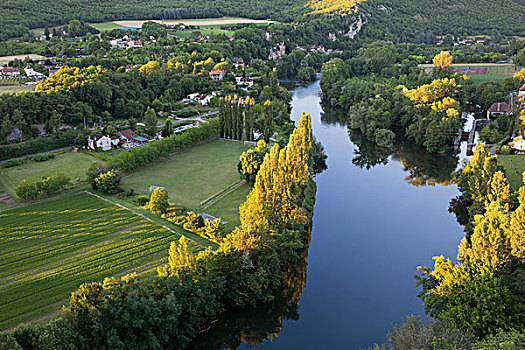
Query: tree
x,y
158,202
151,120
251,160
168,126
499,190
180,256
517,227
490,242
442,61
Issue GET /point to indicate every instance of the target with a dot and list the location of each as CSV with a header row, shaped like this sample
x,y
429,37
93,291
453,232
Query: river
x,y
371,229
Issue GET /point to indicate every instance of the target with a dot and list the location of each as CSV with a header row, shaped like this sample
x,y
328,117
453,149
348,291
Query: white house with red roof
x,y
10,72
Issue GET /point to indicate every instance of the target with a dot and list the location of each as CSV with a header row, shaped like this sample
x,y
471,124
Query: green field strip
x,y
78,267
89,255
50,295
56,293
37,260
47,238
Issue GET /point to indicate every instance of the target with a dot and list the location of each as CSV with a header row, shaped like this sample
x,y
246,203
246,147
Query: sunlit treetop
x,y
334,7
68,78
443,60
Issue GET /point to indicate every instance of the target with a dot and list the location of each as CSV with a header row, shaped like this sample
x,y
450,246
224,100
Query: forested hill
x,y
396,19
18,16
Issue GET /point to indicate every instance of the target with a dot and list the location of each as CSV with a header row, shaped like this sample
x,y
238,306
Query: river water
x,y
378,216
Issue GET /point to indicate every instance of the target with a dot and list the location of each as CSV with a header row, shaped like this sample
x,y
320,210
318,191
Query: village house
x,y
31,73
9,72
127,135
244,81
99,142
518,143
217,74
499,108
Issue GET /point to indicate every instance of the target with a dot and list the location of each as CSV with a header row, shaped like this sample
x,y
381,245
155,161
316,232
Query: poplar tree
x,y
490,243
499,190
517,226
180,255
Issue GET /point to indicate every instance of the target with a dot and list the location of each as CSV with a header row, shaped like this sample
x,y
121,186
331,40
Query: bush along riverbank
x,y
250,267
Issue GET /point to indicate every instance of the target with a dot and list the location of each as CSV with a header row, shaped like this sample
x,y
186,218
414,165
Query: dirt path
x,y
181,232
224,194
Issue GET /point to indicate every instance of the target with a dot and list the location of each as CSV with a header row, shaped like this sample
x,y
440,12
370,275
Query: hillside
x,y
18,16
395,20
403,19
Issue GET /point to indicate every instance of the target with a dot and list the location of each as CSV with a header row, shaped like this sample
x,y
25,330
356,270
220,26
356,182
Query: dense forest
x,y
400,20
19,16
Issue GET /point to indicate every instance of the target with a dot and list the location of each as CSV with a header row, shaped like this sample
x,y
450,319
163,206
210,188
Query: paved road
x,y
197,117
34,154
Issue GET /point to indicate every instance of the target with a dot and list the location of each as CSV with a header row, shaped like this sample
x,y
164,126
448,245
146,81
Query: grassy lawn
x,y
185,34
484,78
51,247
228,207
71,164
194,175
514,166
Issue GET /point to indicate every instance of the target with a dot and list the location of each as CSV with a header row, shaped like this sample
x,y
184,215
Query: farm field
x,y
192,176
71,164
514,166
15,89
49,248
6,59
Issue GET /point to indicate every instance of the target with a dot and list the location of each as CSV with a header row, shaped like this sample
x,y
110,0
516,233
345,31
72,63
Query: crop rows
x,y
48,249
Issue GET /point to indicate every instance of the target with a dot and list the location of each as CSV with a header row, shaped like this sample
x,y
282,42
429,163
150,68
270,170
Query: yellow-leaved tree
x,y
442,60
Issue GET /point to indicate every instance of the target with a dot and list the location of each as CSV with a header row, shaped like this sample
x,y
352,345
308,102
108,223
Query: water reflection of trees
x,y
265,322
423,168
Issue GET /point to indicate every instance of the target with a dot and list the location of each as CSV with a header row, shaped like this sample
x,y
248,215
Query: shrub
x,y
26,190
13,163
47,186
41,144
108,182
43,157
158,202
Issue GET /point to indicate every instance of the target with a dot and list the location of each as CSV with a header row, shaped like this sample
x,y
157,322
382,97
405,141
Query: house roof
x,y
500,107
128,133
217,71
522,88
10,70
95,137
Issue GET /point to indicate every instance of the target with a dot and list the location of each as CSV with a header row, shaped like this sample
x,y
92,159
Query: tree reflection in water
x,y
423,168
265,322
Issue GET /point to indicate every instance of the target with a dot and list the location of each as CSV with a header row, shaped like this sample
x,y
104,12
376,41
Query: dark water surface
x,y
371,229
